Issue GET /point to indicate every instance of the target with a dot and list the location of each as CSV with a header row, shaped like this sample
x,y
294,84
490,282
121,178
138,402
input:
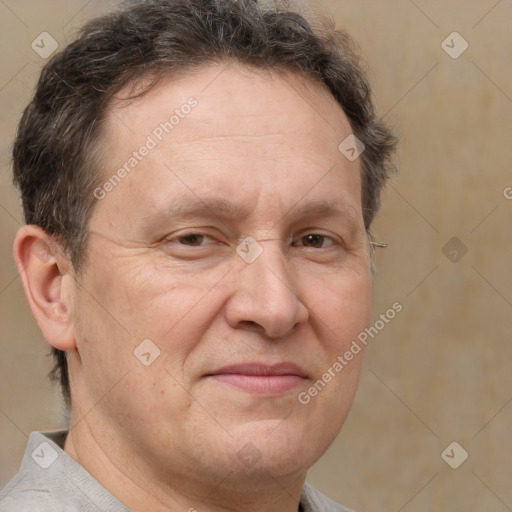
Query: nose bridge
x,y
271,267
266,293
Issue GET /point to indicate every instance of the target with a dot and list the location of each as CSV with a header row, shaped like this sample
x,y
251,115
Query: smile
x,y
260,378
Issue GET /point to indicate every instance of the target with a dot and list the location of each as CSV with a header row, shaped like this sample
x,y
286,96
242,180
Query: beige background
x,y
440,371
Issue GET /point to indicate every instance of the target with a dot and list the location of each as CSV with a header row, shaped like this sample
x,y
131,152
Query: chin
x,y
276,448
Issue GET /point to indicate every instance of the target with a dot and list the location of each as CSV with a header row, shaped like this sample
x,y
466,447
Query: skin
x,y
167,436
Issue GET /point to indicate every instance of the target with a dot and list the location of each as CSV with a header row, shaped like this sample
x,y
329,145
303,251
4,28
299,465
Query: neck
x,y
136,484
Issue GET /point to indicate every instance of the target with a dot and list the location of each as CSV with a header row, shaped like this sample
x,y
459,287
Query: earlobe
x,y
45,272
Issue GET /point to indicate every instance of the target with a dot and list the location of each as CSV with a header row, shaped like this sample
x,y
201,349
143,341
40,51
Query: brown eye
x,y
192,239
316,241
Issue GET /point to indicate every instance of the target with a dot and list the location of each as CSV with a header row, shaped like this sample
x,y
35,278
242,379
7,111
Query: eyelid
x,y
336,240
177,236
292,238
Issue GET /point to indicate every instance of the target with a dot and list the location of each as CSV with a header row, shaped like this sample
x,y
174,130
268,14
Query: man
x,y
198,181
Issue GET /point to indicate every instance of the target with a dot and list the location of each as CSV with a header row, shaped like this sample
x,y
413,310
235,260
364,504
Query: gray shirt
x,y
51,481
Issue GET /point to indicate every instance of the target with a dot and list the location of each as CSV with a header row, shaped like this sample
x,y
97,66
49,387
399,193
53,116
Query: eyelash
x,y
175,239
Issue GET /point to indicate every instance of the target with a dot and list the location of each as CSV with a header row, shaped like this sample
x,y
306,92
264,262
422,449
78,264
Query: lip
x,y
260,378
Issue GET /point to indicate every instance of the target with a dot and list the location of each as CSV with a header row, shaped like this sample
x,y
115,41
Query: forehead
x,y
233,99
233,131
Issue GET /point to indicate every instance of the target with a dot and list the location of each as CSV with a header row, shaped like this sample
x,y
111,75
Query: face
x,y
236,333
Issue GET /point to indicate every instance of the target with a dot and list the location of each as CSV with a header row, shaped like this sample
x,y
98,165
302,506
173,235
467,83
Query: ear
x,y
48,281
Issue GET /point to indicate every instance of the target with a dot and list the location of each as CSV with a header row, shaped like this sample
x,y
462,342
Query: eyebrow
x,y
323,209
183,208
224,210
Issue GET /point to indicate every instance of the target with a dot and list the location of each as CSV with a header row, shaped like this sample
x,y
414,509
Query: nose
x,y
265,297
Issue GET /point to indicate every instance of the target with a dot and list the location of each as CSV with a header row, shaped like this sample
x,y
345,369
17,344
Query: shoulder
x,y
29,489
21,494
50,481
312,500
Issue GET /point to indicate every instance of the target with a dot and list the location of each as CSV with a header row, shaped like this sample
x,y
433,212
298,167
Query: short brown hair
x,y
58,136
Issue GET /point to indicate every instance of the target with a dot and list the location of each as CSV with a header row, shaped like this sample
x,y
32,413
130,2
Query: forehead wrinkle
x,y
224,210
183,208
193,151
245,137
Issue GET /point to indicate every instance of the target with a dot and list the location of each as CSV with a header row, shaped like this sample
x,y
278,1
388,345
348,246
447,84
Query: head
x,y
157,142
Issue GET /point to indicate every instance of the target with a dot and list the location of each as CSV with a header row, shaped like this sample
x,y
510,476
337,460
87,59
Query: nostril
x,y
251,326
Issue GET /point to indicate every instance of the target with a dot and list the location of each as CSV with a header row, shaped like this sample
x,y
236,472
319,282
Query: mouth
x,y
261,378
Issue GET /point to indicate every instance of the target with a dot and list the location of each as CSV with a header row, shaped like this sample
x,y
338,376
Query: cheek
x,y
121,306
326,402
118,311
343,312
174,308
343,307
